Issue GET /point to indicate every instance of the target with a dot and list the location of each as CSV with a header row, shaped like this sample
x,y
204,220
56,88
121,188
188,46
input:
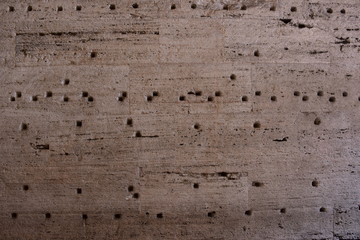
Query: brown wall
x,y
219,120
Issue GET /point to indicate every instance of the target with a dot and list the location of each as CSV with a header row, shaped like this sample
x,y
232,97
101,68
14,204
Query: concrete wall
x,y
180,119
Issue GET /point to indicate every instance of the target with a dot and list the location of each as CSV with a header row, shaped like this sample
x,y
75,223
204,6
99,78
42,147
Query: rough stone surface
x,y
180,119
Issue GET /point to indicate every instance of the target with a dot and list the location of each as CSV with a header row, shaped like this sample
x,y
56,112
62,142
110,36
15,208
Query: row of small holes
x,y
149,98
94,54
77,8
78,123
79,190
211,214
24,126
314,183
181,98
131,188
84,216
172,7
49,94
328,10
272,98
160,215
227,7
135,5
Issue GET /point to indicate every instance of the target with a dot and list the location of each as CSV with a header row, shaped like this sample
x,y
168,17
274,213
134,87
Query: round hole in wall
x,y
135,5
342,11
14,215
273,98
258,93
345,94
136,195
182,98
272,8
196,185
332,99
244,98
159,215
112,6
329,10
248,212
78,8
59,9
232,76
293,9
29,8
283,210
130,188
23,126
256,184
93,54
315,183
26,187
243,7
305,98
84,94
48,94
210,99
66,81
196,126
317,121
117,216
217,94
320,93
47,215
78,123
193,6
211,214
84,216
322,209
173,6
256,125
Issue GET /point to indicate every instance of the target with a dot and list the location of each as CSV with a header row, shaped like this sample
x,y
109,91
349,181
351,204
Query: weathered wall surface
x,y
180,119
